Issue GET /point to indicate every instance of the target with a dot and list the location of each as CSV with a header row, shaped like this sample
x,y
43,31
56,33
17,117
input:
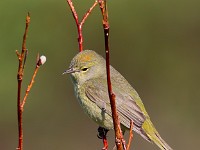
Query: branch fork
x,y
22,61
80,24
119,140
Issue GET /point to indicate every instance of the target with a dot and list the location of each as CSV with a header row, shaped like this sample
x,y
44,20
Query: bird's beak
x,y
70,70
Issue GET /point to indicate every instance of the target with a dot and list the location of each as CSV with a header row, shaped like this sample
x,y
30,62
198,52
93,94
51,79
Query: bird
x,y
88,73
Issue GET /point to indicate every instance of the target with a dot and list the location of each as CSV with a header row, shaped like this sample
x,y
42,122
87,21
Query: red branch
x,y
118,133
22,60
30,86
21,57
80,24
130,135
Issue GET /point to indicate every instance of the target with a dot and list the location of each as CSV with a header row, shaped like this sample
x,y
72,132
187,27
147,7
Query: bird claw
x,y
102,132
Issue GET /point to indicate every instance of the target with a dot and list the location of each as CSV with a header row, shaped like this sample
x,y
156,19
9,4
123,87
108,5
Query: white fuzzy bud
x,y
42,60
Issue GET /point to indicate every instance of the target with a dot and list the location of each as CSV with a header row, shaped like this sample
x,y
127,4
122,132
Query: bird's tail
x,y
154,136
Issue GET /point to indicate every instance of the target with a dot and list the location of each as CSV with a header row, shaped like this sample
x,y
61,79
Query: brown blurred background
x,y
155,44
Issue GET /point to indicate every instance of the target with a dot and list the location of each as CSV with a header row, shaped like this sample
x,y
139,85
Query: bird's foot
x,y
102,132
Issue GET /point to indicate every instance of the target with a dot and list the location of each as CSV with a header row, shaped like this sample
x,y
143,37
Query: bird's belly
x,y
93,111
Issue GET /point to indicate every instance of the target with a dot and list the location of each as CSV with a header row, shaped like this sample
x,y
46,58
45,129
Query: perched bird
x,y
88,74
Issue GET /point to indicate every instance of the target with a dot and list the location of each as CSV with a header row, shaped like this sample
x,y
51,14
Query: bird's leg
x,y
103,107
103,111
102,132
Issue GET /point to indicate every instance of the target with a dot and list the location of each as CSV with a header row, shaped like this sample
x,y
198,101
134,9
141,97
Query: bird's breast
x,y
92,110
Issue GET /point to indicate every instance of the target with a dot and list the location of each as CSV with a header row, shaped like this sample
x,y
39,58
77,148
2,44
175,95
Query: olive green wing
x,y
96,91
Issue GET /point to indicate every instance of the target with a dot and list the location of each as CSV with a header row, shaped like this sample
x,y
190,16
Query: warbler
x,y
88,74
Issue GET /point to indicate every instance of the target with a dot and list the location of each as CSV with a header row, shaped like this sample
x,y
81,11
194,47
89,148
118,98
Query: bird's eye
x,y
84,69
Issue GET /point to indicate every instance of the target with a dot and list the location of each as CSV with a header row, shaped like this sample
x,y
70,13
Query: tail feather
x,y
152,134
161,143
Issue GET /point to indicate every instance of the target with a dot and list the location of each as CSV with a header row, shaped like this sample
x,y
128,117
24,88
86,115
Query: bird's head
x,y
86,65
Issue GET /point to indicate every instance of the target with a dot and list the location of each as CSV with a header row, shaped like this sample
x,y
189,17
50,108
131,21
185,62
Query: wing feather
x,y
126,106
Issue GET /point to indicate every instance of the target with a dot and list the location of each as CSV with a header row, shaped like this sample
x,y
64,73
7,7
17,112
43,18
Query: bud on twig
x,y
42,60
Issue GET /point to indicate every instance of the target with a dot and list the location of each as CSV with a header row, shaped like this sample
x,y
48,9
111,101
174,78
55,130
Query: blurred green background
x,y
155,44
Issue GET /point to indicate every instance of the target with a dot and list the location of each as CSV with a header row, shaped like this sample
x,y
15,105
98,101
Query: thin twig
x,y
88,13
21,57
79,25
130,135
118,133
22,60
75,15
29,86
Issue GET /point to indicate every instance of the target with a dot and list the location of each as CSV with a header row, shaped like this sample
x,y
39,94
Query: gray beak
x,y
70,70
